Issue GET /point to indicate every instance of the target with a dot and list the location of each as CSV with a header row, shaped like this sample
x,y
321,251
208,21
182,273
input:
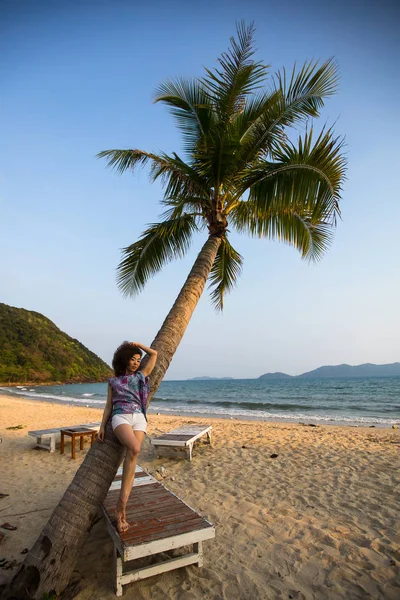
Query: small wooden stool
x,y
77,432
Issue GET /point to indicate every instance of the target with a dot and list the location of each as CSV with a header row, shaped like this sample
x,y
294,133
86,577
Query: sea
x,y
358,402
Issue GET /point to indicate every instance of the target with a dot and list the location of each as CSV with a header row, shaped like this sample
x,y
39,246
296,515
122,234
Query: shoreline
x,y
50,383
302,419
298,510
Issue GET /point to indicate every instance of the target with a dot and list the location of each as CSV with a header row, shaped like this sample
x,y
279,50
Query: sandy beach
x,y
321,520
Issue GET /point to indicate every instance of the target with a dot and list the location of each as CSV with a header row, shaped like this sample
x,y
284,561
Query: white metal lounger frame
x,y
123,553
166,445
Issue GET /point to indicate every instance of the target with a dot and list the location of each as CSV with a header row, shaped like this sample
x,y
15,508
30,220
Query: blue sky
x,y
79,77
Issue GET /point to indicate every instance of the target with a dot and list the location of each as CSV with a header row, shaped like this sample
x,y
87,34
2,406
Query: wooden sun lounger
x,y
51,435
181,439
159,521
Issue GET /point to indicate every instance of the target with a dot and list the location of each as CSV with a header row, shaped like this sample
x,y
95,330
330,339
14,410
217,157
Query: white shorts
x,y
136,420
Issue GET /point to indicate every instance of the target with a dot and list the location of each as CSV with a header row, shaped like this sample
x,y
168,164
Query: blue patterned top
x,y
129,393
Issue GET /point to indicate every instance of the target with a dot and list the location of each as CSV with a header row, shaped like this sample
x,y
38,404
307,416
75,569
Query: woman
x,y
126,404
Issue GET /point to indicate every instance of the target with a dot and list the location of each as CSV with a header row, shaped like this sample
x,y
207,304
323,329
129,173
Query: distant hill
x,y
206,378
365,370
34,350
343,371
276,375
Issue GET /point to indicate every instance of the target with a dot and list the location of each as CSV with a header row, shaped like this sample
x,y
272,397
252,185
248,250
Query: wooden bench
x,y
50,435
159,522
181,439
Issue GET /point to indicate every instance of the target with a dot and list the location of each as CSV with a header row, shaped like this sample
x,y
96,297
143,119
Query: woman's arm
x,y
106,414
152,358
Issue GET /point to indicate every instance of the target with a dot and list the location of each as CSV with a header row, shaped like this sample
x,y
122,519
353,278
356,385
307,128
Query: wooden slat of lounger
x,y
39,432
139,481
148,535
148,498
141,478
155,513
174,437
163,506
137,476
156,531
176,521
152,501
181,437
166,517
137,470
191,428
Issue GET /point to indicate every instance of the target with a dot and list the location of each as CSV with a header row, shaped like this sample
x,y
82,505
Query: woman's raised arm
x,y
152,358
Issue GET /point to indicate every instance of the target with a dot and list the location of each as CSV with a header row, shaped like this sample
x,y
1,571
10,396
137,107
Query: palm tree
x,y
240,169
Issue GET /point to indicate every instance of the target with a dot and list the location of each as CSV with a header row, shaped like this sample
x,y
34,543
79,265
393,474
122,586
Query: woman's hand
x,y
100,434
149,351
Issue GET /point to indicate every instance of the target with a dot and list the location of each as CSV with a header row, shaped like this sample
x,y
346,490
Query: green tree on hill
x,y
35,350
239,170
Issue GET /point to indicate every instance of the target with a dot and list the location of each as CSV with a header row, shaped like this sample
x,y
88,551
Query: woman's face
x,y
134,363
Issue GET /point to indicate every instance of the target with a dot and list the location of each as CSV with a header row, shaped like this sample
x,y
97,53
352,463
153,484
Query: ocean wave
x,y
64,399
293,417
266,406
317,408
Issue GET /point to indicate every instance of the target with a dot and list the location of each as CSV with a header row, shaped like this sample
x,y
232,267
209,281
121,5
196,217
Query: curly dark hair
x,y
122,356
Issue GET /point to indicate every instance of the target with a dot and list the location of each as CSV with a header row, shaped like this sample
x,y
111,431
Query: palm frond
x,y
292,99
178,177
311,239
307,175
304,92
190,106
237,76
261,125
178,206
224,273
122,160
157,246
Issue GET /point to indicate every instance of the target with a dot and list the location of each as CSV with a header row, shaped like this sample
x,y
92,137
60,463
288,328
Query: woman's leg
x,y
132,440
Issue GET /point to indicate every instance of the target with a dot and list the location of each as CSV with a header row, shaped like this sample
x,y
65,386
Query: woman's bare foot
x,y
122,523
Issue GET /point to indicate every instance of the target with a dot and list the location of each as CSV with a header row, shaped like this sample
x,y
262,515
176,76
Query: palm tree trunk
x,y
172,330
48,566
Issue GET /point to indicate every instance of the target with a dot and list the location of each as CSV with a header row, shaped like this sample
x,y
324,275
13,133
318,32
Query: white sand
x,y
319,521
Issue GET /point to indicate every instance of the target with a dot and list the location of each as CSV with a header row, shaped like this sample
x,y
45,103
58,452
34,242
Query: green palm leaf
x,y
122,160
178,177
157,246
265,119
224,273
290,226
304,92
237,76
306,175
190,106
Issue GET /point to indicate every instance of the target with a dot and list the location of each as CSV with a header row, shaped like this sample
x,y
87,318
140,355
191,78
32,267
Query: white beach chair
x,y
180,440
160,522
47,438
